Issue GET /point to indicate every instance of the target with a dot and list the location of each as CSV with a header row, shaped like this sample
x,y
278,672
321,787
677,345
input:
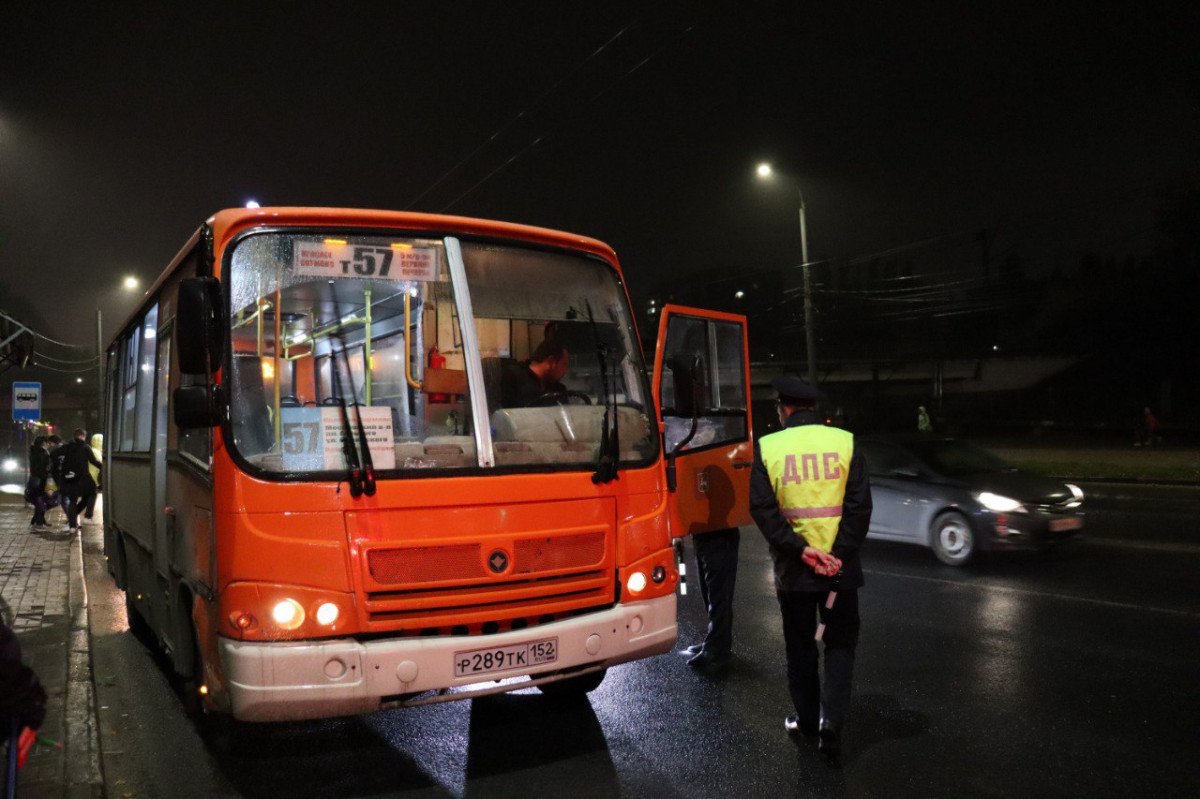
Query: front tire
x,y
951,539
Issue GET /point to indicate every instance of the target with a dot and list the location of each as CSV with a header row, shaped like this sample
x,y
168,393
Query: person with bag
x,y
36,493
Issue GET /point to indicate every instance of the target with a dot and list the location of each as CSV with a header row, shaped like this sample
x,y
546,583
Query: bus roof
x,y
231,221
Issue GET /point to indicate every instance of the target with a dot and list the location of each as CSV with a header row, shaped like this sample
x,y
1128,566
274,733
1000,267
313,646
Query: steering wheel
x,y
561,397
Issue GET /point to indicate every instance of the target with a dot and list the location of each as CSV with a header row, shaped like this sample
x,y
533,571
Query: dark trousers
x,y
75,497
717,556
815,702
35,495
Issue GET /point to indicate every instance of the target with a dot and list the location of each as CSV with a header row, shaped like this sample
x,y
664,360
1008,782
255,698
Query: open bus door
x,y
702,387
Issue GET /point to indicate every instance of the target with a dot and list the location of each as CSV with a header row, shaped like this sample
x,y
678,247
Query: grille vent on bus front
x,y
465,561
454,590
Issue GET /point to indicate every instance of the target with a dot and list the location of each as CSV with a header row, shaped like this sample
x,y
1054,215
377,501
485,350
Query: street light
x,y
766,172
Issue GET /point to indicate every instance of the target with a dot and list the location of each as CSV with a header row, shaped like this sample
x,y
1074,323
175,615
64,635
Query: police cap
x,y
794,390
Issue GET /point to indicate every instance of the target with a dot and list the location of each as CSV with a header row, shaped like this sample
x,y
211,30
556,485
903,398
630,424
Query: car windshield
x,y
326,331
957,458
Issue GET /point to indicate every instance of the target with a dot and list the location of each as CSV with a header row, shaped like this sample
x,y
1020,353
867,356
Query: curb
x,y
84,774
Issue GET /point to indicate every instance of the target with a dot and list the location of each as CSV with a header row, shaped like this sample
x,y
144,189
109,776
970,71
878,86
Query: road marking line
x,y
1132,543
1046,594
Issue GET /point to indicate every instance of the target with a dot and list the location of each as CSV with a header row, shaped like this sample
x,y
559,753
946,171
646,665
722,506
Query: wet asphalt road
x,y
1070,674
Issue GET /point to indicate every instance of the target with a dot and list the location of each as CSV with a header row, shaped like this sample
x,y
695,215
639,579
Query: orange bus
x,y
365,459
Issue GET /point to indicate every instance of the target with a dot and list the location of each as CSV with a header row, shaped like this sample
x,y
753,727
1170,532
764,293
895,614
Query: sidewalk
x,y
43,598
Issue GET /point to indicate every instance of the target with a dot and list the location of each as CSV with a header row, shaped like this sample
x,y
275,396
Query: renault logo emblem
x,y
498,561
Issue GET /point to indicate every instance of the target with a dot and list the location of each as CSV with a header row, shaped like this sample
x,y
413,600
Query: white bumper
x,y
318,679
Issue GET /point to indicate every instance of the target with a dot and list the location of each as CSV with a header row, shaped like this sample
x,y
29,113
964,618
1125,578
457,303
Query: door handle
x,y
742,464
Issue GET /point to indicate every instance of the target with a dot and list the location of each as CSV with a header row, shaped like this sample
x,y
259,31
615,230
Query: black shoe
x,y
709,663
692,651
794,727
829,741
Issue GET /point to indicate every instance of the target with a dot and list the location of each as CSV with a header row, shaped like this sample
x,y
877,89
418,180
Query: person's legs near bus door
x,y
716,557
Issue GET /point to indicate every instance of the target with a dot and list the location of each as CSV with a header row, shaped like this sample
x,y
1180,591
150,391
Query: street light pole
x,y
809,334
765,172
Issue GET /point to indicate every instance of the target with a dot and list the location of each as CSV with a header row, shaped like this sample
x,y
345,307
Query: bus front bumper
x,y
318,679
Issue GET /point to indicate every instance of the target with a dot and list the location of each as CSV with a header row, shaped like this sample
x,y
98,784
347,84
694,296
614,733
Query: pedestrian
x,y
77,484
35,486
97,446
810,497
53,496
923,423
1150,427
716,561
22,700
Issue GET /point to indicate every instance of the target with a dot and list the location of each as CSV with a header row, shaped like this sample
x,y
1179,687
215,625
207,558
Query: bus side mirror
x,y
198,326
198,406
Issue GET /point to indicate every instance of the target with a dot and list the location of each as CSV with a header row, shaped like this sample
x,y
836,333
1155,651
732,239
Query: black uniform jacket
x,y
73,459
791,572
39,468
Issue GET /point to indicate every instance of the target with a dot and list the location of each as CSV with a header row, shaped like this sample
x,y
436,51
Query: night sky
x,y
123,126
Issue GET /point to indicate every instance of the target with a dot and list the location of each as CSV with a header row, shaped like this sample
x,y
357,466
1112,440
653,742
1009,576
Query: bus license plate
x,y
1071,523
502,658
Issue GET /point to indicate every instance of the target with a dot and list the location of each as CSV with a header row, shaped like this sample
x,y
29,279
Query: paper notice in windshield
x,y
335,258
312,437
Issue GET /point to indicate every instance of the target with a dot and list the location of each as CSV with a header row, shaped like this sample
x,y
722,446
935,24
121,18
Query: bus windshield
x,y
326,331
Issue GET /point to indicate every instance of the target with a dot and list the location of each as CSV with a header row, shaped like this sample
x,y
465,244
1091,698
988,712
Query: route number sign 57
x,y
334,258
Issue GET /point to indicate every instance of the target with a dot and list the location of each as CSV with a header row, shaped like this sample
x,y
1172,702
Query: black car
x,y
956,499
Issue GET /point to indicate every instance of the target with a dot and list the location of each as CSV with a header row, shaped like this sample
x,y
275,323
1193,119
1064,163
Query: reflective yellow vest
x,y
808,466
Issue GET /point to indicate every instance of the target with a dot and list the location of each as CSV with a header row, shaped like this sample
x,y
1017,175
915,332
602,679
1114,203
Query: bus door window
x,y
722,419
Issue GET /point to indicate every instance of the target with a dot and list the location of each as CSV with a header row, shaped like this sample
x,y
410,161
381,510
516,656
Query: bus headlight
x,y
637,583
327,614
288,614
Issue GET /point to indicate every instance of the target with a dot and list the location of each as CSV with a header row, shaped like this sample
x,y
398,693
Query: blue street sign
x,y
27,402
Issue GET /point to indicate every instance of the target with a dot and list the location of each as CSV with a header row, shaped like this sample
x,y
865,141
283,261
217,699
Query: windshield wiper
x,y
609,456
349,450
362,480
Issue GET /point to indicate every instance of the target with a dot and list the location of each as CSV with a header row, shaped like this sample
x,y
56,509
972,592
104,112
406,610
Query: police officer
x,y
810,497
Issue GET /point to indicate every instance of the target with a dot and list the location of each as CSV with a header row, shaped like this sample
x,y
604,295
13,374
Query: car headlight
x,y
11,465
1076,494
999,503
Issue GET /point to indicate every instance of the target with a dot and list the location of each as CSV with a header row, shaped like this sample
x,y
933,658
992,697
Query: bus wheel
x,y
220,731
574,686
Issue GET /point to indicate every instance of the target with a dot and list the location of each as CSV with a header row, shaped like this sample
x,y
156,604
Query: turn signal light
x,y
243,621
